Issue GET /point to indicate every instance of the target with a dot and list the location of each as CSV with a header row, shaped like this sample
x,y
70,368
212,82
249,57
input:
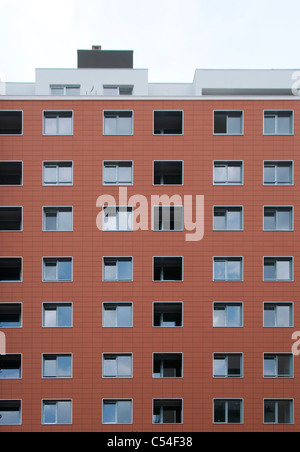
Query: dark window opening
x,y
10,218
168,173
10,269
10,123
167,411
10,173
167,269
10,367
167,365
168,123
168,314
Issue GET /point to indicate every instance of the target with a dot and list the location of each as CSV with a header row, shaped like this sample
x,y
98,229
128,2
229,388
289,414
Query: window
x,y
58,123
10,412
11,173
167,411
228,122
10,315
117,269
117,219
10,269
168,173
228,315
10,218
117,315
228,269
118,123
228,173
168,268
278,173
278,411
57,412
117,90
168,122
65,90
117,173
11,122
117,411
278,315
117,366
278,218
168,218
278,365
167,315
228,365
228,218
167,365
57,315
10,367
228,411
57,269
58,173
278,123
58,219
278,269
57,366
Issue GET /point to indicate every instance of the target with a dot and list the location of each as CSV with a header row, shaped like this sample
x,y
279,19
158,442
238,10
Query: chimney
x,y
96,47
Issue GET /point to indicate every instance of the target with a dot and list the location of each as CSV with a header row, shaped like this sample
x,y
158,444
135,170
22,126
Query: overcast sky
x,y
169,37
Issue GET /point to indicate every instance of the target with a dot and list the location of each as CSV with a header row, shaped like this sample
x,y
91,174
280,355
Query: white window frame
x,y
65,88
56,163
56,356
118,88
56,305
119,209
161,377
166,161
227,163
275,163
275,113
292,413
116,163
226,304
168,280
55,209
227,412
117,258
276,229
289,259
168,134
289,304
52,402
115,402
226,259
19,401
21,273
227,133
226,356
118,134
167,302
161,411
115,356
21,315
226,208
276,356
117,304
20,369
57,260
57,123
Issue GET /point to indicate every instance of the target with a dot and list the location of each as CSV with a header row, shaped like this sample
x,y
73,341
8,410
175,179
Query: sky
x,y
171,38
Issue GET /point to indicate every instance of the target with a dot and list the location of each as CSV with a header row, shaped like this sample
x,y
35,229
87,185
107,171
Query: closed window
x,y
65,90
117,219
278,365
57,366
57,412
228,365
117,315
228,173
228,122
117,173
57,173
278,122
117,90
57,315
228,218
278,173
117,365
117,412
58,219
278,218
228,315
228,269
58,123
278,315
278,411
117,269
228,411
278,269
118,123
168,218
57,269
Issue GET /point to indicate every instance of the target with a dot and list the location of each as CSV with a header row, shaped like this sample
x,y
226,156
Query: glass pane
x,y
124,126
234,412
283,219
220,173
124,270
219,270
125,174
284,173
124,315
64,366
51,221
65,126
64,314
269,174
219,411
50,367
270,412
284,412
124,412
110,91
50,413
110,317
110,271
284,316
269,316
220,369
9,415
9,369
110,219
110,174
56,91
65,174
125,219
219,316
284,366
169,415
283,270
234,124
50,125
65,220
270,367
269,271
284,123
234,220
234,270
220,219
110,126
50,271
64,412
234,366
109,413
50,317
234,174
269,124
110,367
50,173
64,270
72,91
124,366
269,220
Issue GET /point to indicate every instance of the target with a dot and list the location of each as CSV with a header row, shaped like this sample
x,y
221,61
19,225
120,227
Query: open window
x,y
228,122
10,412
10,269
11,173
10,218
168,268
10,367
10,315
11,122
168,218
167,365
168,315
168,173
167,411
168,122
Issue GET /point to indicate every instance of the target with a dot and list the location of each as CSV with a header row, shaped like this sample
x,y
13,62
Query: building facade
x,y
143,315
